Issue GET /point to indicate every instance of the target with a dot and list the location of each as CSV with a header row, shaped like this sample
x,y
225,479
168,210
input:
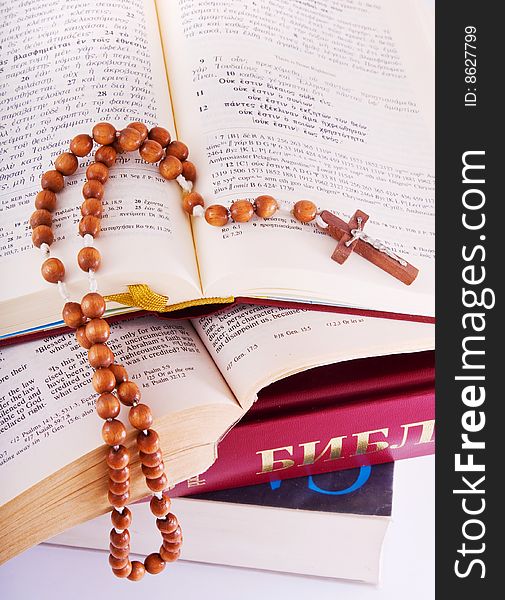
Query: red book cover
x,y
209,309
363,412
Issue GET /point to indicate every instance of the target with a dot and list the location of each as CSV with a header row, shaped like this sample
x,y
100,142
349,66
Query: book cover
x,y
363,412
263,526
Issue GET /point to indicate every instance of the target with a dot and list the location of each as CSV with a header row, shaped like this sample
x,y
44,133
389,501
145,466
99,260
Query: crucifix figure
x,y
352,238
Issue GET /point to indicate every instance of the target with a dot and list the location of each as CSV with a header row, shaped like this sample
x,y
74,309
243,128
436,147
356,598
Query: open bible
x,y
328,101
199,377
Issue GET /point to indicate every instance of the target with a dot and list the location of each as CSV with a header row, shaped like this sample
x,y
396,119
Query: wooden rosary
x,y
92,331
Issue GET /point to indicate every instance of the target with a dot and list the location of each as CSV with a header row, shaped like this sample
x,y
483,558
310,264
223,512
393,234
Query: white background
x,y
46,572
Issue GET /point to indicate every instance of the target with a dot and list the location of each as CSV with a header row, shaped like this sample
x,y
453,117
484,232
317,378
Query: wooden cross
x,y
351,238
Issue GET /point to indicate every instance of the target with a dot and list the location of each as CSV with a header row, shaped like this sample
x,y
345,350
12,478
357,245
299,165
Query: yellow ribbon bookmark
x,y
140,295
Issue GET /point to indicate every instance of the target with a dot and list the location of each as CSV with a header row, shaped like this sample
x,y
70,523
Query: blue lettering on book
x,y
363,477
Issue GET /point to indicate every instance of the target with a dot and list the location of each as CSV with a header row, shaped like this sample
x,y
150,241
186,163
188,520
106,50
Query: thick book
x,y
268,526
342,416
199,378
329,101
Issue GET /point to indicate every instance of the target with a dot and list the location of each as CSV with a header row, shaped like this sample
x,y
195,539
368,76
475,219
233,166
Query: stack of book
x,y
345,413
280,412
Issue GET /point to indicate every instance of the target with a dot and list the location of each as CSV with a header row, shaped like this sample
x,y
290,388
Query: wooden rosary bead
x,y
305,211
170,167
117,563
129,394
46,200
140,416
177,149
89,225
119,552
98,332
106,155
241,211
52,181
72,315
152,459
82,340
66,163
119,539
153,472
100,356
173,548
113,433
169,556
168,524
265,206
121,520
118,460
189,171
118,500
154,564
119,489
107,406
191,200
148,442
217,215
117,147
89,259
129,139
41,216
160,135
119,493
141,128
104,133
120,374
103,382
53,270
168,544
97,171
151,151
81,145
92,207
173,537
119,475
159,484
93,305
160,507
93,189
42,235
124,572
137,572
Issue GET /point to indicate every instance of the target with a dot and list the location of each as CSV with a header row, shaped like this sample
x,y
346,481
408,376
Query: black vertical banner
x,y
470,169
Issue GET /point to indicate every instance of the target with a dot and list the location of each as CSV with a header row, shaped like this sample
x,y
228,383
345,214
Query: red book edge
x,y
209,309
343,436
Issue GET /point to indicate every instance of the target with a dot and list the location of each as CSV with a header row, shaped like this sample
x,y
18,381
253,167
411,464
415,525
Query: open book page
x,y
47,414
314,102
254,346
69,65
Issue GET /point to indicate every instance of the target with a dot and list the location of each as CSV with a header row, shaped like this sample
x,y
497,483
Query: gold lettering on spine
x,y
426,436
268,460
195,481
309,451
365,446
